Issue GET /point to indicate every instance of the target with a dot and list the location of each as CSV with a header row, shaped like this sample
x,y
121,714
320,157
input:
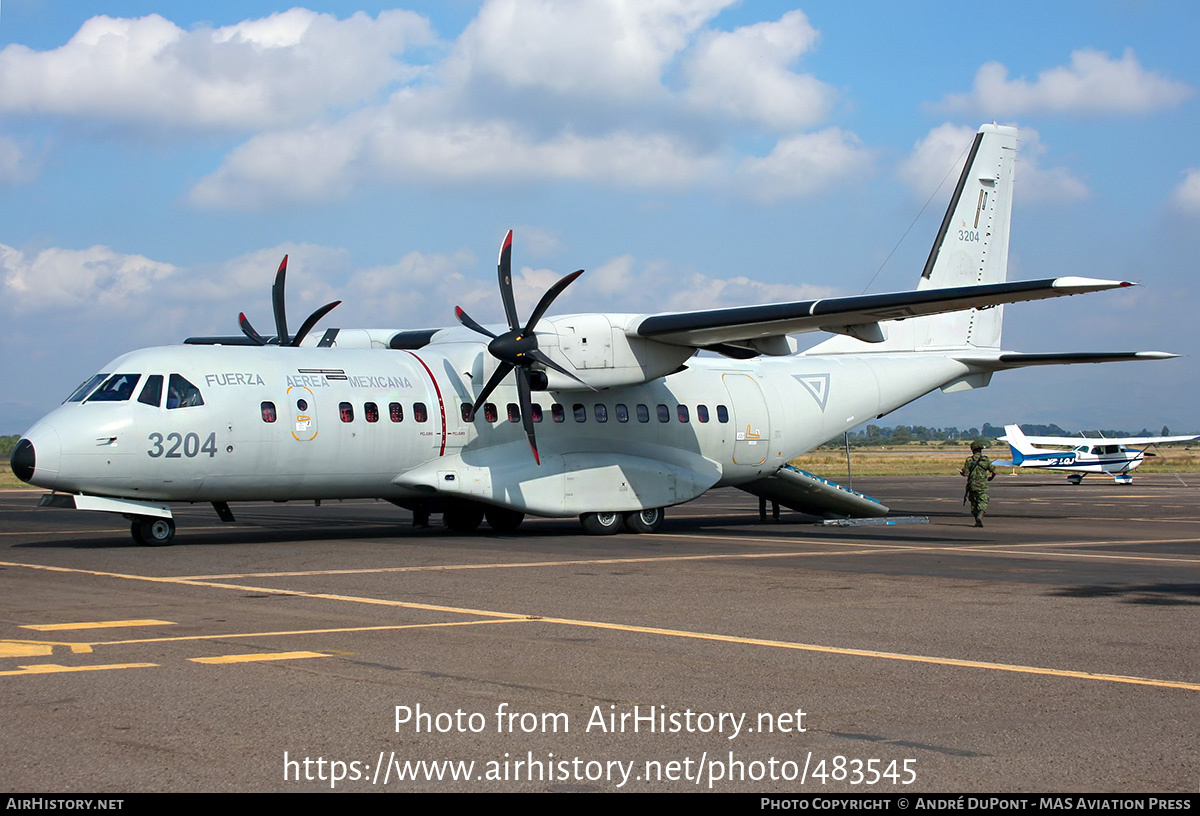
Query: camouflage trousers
x,y
979,502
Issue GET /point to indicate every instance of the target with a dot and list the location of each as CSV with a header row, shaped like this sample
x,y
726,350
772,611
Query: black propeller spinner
x,y
517,349
281,333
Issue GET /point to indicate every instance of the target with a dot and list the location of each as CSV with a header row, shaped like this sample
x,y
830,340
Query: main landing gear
x,y
150,531
639,521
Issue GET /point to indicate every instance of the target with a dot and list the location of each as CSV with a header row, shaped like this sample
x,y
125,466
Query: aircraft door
x,y
751,420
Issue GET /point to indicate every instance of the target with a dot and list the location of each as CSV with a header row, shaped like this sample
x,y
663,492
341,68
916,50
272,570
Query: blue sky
x,y
158,159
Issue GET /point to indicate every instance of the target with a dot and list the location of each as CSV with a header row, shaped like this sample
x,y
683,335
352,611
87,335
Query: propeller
x,y
517,349
281,333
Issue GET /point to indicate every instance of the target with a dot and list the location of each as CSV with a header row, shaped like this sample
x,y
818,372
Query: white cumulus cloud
x,y
281,69
744,73
1094,83
804,164
97,279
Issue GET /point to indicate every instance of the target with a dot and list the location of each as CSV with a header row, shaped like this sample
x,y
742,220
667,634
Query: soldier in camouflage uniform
x,y
979,471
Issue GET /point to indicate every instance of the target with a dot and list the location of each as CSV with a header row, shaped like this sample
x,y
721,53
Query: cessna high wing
x,y
1080,456
608,417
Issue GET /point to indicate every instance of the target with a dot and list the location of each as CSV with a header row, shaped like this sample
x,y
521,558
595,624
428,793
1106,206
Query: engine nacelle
x,y
597,349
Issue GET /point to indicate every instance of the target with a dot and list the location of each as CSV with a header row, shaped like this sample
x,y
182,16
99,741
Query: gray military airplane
x,y
608,417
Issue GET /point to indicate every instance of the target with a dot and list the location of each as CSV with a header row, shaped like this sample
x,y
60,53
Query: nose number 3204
x,y
177,446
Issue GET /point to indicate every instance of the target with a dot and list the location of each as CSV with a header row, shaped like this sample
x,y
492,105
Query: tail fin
x,y
971,248
1018,444
972,245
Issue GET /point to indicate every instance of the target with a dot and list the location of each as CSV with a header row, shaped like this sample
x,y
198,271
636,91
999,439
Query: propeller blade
x,y
540,356
466,320
249,331
548,298
277,302
526,401
307,325
504,271
501,372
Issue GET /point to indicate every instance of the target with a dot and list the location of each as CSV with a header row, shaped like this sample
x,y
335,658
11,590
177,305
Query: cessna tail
x,y
608,417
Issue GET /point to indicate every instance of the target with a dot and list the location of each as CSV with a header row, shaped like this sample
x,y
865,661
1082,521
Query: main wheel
x,y
602,523
153,532
645,521
465,519
502,520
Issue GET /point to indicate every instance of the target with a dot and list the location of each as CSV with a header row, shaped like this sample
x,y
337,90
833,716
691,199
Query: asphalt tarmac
x,y
337,647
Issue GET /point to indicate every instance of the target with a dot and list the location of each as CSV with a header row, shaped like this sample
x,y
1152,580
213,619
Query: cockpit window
x,y
117,388
152,391
85,389
182,394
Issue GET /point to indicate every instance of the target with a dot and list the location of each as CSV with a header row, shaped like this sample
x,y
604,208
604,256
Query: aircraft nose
x,y
36,457
24,460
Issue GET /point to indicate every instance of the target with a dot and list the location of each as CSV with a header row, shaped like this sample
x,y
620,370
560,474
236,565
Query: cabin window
x,y
117,388
466,412
514,412
346,411
601,412
664,413
702,412
420,412
622,412
489,412
152,391
643,413
182,394
682,412
396,412
267,410
371,412
722,413
535,410
580,412
85,389
557,413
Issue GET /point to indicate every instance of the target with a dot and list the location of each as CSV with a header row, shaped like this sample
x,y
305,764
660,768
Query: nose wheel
x,y
152,532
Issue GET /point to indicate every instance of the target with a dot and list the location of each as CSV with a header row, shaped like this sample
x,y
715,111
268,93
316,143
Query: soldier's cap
x,y
976,445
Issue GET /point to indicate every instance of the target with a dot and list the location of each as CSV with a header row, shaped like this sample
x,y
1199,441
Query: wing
x,y
1075,441
858,316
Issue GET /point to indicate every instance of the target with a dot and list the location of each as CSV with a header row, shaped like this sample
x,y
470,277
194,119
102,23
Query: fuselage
x,y
271,423
1089,458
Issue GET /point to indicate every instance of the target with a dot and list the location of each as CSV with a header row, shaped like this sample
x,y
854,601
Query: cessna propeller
x,y
517,349
281,333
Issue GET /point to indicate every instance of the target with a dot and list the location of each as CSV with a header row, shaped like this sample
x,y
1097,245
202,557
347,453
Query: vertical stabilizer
x,y
972,244
1018,443
971,248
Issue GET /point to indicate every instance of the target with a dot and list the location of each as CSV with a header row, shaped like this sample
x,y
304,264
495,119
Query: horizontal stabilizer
x,y
1001,361
807,493
857,315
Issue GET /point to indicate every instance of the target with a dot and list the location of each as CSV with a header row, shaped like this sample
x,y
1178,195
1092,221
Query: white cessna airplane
x,y
1080,456
609,417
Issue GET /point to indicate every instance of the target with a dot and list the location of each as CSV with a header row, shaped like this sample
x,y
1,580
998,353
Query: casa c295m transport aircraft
x,y
608,417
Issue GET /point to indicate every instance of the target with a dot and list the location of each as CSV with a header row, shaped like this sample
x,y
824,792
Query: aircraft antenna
x,y
916,219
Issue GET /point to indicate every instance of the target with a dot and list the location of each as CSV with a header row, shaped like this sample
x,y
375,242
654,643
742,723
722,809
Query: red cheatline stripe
x,y
441,404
